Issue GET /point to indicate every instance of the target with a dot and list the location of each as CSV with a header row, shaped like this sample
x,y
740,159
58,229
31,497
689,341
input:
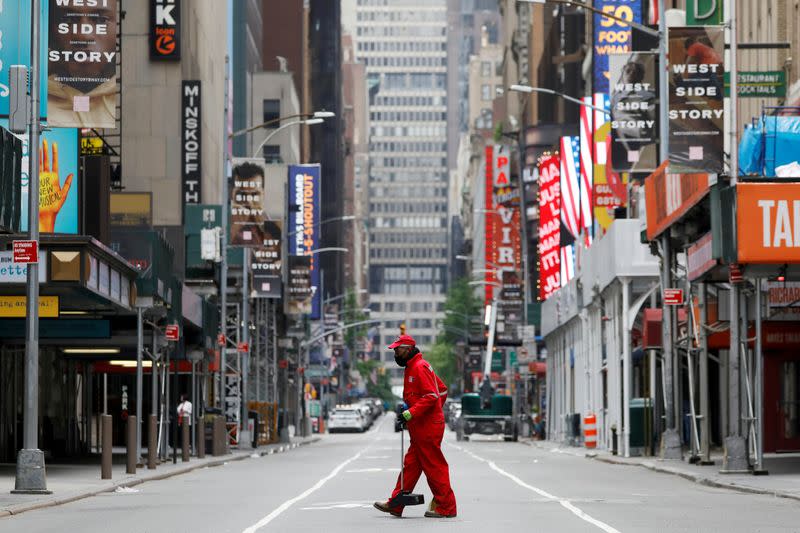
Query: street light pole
x,y
30,475
306,122
223,265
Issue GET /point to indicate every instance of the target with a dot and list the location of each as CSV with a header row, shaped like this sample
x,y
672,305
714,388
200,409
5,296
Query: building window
x,y
272,111
486,69
272,153
486,92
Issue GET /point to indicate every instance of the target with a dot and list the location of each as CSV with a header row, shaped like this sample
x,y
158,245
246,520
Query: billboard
x,y
634,112
191,142
165,30
669,196
768,222
247,211
696,89
82,64
612,36
15,46
59,181
609,189
488,223
549,226
304,219
265,262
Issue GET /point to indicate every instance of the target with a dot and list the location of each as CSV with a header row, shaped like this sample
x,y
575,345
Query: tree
x,y
377,380
352,314
460,304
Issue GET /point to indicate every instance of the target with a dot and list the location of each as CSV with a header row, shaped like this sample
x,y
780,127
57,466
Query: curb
x,y
701,480
695,478
132,482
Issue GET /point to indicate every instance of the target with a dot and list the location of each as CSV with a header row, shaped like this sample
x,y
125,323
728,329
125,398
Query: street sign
x,y
172,332
735,275
26,252
283,363
221,339
243,347
759,84
673,296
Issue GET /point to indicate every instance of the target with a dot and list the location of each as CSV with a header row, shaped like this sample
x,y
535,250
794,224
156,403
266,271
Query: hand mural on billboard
x,y
51,194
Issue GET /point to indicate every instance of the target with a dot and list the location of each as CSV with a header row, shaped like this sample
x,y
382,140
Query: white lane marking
x,y
377,457
564,503
343,505
363,470
288,503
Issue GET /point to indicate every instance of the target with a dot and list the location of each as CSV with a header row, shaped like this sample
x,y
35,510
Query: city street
x,y
330,486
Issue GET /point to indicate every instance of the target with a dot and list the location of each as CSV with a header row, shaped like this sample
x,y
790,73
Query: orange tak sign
x,y
768,222
670,196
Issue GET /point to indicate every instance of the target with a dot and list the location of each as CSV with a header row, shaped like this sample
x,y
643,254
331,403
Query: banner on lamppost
x,y
15,47
265,262
82,64
247,211
696,88
634,112
299,289
304,218
612,36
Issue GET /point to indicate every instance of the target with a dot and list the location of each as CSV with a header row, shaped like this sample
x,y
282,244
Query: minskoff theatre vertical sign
x,y
191,147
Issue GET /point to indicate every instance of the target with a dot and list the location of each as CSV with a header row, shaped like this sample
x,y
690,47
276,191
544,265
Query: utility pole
x,y
244,434
670,440
735,458
31,477
223,265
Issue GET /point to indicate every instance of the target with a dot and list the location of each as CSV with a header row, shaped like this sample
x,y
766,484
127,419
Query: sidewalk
x,y
783,480
75,482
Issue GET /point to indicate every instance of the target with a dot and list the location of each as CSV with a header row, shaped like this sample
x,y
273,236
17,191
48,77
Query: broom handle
x,y
402,453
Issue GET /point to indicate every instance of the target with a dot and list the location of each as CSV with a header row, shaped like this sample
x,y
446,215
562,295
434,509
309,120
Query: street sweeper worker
x,y
424,394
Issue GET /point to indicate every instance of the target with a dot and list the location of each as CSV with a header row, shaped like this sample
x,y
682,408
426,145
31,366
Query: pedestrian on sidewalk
x,y
185,414
425,394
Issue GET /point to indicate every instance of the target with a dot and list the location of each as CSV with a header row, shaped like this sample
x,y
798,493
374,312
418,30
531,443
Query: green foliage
x,y
382,388
461,303
352,313
498,132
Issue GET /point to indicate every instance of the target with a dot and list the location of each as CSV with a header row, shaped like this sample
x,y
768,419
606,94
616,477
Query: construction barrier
x,y
590,430
267,430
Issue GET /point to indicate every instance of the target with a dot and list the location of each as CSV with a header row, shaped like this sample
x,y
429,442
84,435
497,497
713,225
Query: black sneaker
x,y
384,508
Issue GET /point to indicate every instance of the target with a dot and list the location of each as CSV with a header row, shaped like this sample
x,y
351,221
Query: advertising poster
x,y
587,170
15,46
82,64
634,112
265,262
59,185
165,30
247,211
304,218
549,227
696,88
612,36
299,289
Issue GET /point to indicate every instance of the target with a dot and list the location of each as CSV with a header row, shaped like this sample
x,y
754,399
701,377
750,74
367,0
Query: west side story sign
x,y
191,147
696,113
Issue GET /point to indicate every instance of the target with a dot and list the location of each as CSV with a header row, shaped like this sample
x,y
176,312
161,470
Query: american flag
x,y
570,184
567,264
587,162
652,17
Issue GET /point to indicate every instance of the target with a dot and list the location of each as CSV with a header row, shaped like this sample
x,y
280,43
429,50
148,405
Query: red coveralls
x,y
425,395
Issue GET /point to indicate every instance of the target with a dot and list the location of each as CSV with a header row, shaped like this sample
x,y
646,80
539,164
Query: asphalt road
x,y
330,486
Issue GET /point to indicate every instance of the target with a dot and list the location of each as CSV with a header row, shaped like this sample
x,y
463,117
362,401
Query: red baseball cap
x,y
403,340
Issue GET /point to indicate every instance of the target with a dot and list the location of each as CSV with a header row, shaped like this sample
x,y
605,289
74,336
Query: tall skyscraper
x,y
403,44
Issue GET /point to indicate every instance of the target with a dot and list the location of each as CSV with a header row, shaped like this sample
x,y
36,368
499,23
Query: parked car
x,y
347,418
398,411
454,416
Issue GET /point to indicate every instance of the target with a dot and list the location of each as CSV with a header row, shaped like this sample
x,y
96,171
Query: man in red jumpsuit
x,y
425,394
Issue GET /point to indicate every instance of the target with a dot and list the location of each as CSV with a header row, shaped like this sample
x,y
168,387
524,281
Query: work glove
x,y
407,415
